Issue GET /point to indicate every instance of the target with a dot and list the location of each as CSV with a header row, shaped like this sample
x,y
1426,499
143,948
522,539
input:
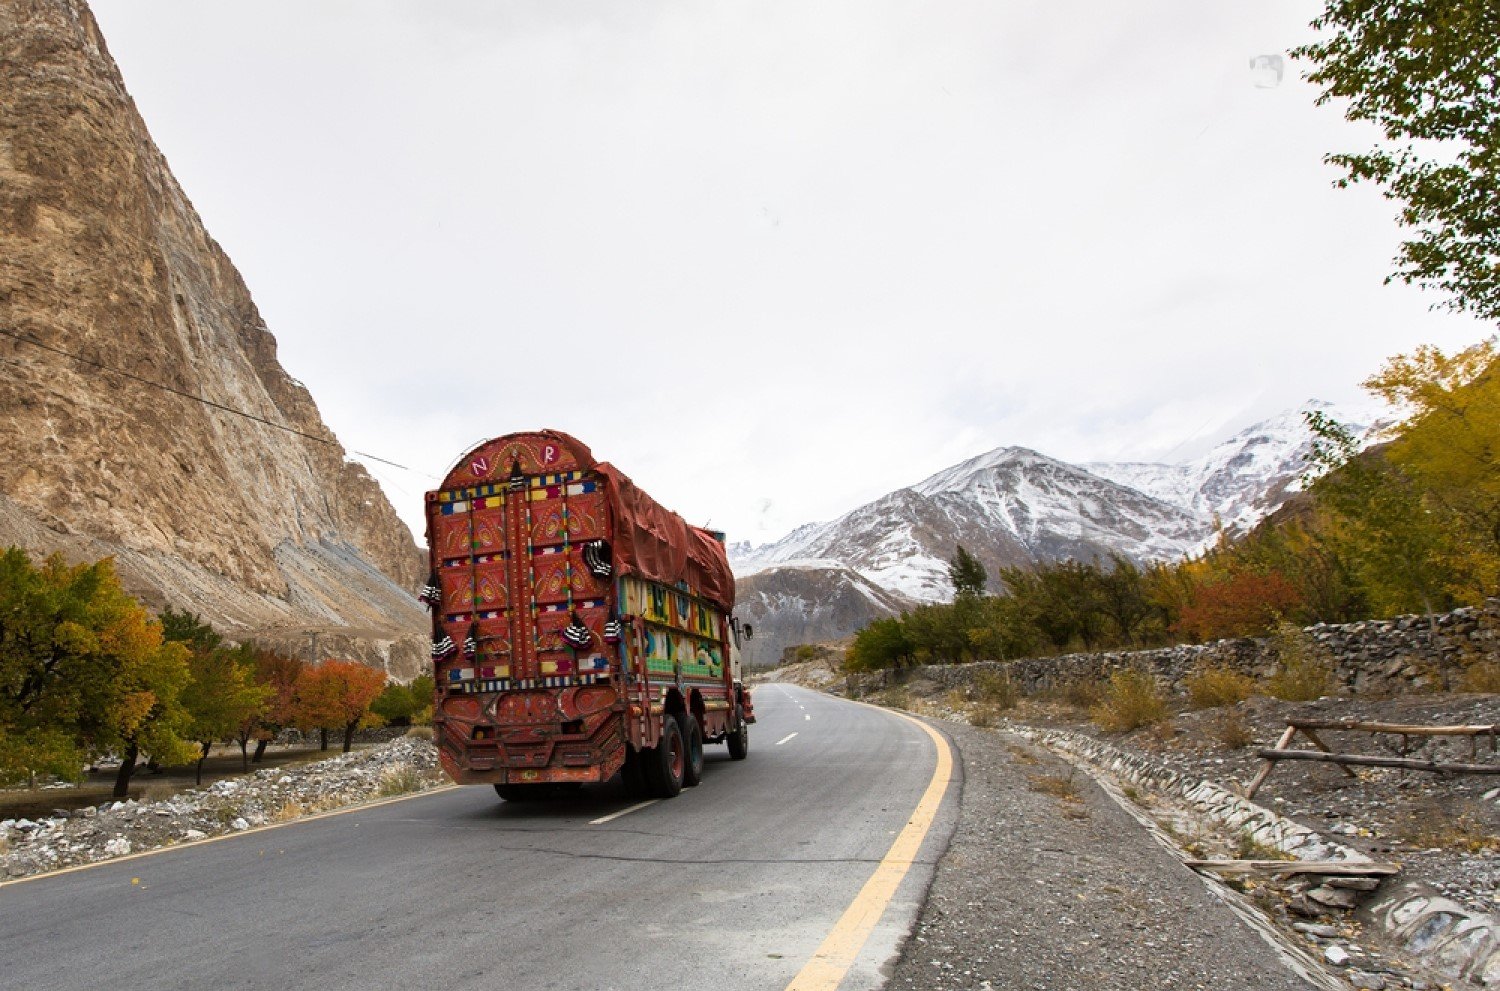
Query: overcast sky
x,y
775,259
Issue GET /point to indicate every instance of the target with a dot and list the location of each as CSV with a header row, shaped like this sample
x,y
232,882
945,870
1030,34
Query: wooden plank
x,y
1361,760
1318,742
1265,772
1331,868
1405,729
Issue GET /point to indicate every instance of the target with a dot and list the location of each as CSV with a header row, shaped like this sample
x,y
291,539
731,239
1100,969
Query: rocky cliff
x,y
108,282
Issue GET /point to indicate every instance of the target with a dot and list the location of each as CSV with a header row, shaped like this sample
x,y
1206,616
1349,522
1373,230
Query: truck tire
x,y
664,763
739,742
692,738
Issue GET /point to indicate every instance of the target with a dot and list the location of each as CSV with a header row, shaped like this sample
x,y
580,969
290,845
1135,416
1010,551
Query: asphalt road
x,y
733,885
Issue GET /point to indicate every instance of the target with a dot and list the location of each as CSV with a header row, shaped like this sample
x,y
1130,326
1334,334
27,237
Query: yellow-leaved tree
x,y
83,671
1448,446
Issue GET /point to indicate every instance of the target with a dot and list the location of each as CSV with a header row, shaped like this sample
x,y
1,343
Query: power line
x,y
27,339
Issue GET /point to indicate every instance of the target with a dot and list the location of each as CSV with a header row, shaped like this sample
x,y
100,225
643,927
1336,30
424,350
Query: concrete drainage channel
x,y
1437,933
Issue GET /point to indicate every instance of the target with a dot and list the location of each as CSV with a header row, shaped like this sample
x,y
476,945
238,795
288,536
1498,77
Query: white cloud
x,y
778,253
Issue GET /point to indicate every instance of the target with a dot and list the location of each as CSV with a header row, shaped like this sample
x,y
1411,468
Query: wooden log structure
x,y
1362,760
1309,729
1328,868
1403,730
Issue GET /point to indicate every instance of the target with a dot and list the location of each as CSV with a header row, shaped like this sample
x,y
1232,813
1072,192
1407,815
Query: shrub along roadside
x,y
1131,700
1210,687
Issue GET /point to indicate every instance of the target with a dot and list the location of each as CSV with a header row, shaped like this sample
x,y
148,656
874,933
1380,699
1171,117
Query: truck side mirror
x,y
749,631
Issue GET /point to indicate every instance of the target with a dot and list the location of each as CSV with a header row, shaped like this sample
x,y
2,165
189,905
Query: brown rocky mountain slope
x,y
267,532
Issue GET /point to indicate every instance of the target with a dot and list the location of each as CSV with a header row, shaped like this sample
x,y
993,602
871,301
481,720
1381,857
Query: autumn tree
x,y
151,675
1242,605
1448,447
83,671
1377,514
52,678
223,700
1304,552
1423,72
279,673
337,695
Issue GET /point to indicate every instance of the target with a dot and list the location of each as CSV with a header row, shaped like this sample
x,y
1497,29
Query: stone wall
x,y
1374,657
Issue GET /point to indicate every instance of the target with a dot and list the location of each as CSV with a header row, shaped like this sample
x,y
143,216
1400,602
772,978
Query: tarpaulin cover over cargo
x,y
650,541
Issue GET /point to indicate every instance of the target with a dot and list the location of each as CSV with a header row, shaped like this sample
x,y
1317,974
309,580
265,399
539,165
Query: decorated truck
x,y
579,629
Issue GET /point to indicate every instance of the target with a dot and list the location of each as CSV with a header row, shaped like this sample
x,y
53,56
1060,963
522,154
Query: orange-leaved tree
x,y
1244,604
279,673
337,695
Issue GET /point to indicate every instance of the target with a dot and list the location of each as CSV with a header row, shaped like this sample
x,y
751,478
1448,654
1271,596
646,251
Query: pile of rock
x,y
116,829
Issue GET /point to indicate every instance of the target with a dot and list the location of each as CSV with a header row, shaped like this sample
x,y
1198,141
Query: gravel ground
x,y
1444,831
1048,883
115,829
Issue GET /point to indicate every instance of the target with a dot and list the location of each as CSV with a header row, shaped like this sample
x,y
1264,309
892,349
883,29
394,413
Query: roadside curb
x,y
1436,931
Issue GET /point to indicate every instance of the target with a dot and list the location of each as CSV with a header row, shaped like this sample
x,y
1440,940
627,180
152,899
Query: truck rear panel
x,y
546,663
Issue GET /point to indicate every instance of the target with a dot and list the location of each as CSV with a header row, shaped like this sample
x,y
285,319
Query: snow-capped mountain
x,y
1242,480
1009,507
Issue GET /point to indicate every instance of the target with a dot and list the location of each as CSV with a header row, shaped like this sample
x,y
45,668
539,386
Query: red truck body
x,y
579,628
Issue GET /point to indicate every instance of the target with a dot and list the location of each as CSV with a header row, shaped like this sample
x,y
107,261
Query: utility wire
x,y
27,339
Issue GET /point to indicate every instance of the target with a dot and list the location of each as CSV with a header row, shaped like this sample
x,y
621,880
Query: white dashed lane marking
x,y
623,812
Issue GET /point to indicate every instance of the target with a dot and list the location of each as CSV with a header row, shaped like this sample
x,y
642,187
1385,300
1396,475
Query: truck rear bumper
x,y
534,761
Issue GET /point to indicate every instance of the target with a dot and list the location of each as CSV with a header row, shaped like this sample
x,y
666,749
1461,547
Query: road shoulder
x,y
1048,883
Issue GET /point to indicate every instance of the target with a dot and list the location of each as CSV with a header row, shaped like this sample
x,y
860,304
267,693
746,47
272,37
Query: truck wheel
x,y
692,736
739,742
665,762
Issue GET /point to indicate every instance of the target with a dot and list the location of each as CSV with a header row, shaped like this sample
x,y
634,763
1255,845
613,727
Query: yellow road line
x,y
360,807
832,960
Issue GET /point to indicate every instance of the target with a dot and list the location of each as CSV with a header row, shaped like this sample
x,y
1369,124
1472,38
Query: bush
x,y
1081,693
1231,730
399,780
1303,671
984,715
882,644
420,733
994,688
1212,687
1130,701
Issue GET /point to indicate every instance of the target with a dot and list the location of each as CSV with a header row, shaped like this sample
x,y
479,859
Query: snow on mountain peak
x,y
1013,506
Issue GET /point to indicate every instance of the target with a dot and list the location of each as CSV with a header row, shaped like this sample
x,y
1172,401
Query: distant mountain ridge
x,y
1013,506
